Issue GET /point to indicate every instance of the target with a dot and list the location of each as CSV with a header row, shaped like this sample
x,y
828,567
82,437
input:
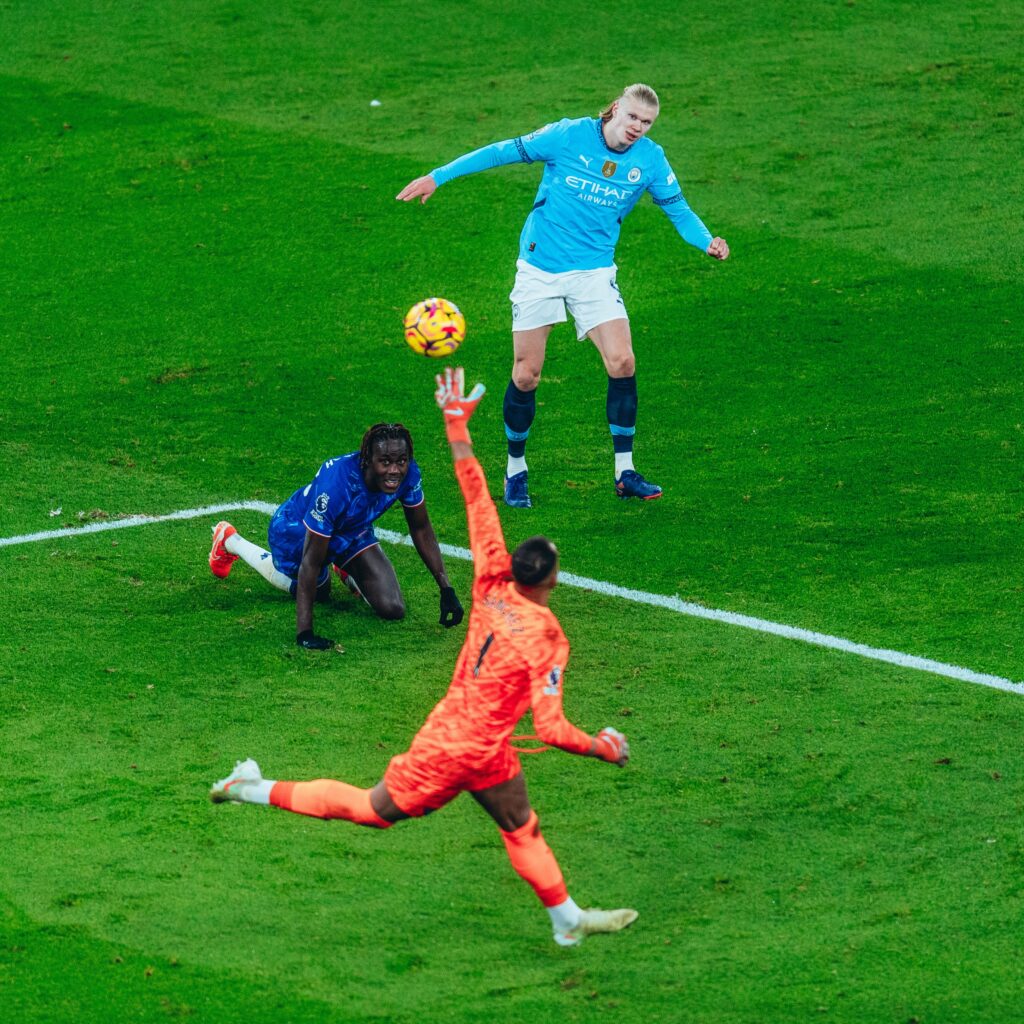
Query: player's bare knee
x,y
622,366
514,819
525,377
391,607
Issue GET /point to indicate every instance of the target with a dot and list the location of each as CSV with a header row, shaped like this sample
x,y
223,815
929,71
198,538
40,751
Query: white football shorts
x,y
539,298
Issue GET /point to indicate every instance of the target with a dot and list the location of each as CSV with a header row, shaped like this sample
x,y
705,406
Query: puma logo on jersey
x,y
586,161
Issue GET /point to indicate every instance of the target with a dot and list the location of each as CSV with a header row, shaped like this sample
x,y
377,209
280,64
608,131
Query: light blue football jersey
x,y
585,192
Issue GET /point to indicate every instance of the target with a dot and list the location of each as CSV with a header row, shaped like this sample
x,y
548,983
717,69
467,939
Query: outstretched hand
x,y
451,394
419,188
456,405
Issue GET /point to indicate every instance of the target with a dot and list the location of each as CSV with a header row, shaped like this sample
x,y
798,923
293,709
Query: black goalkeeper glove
x,y
311,642
451,610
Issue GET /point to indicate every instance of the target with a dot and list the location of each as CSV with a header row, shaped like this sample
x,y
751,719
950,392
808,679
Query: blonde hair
x,y
639,92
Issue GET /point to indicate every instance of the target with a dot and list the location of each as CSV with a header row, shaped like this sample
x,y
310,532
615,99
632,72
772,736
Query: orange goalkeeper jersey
x,y
514,656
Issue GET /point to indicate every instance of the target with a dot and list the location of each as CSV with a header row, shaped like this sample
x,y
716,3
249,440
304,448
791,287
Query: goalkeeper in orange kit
x,y
513,659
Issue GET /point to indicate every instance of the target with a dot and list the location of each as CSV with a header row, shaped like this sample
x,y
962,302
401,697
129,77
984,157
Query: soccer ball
x,y
435,328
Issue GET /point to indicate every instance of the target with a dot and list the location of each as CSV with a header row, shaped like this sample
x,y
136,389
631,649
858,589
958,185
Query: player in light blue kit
x,y
330,523
595,171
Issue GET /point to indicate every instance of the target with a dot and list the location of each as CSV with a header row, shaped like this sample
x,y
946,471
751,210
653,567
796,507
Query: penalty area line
x,y
674,604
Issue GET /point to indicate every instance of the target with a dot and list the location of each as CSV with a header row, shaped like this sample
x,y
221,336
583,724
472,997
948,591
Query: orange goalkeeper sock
x,y
326,798
535,863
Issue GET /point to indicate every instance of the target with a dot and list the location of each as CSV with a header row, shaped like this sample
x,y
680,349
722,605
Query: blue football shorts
x,y
286,539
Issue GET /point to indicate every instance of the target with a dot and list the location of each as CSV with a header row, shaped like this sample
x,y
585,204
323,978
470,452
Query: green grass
x,y
204,279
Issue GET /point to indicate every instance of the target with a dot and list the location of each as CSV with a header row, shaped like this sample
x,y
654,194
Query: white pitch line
x,y
836,643
121,524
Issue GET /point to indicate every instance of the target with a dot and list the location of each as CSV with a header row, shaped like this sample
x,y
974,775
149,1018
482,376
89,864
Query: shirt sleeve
x,y
549,720
523,149
486,540
325,502
412,487
666,193
546,141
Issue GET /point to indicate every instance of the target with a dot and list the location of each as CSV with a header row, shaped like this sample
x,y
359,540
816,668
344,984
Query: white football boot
x,y
593,922
234,786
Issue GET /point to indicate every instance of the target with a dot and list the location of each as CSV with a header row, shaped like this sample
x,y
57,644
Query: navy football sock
x,y
519,409
621,409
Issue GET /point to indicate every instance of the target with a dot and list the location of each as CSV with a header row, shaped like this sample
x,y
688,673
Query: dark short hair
x,y
533,561
381,432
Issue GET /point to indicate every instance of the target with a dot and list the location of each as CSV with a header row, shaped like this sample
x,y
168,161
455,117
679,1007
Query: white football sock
x,y
257,558
515,465
565,916
623,461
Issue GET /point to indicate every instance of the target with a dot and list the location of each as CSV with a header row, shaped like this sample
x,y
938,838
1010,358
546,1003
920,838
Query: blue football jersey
x,y
337,504
585,192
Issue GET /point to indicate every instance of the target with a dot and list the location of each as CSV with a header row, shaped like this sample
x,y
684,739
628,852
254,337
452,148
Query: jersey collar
x,y
608,149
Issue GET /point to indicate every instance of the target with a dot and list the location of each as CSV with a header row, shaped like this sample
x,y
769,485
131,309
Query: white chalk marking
x,y
120,524
673,604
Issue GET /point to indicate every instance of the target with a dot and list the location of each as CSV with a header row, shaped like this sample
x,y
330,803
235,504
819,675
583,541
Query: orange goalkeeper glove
x,y
610,745
457,406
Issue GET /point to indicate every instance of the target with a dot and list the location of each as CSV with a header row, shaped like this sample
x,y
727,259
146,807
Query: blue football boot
x,y
632,485
516,493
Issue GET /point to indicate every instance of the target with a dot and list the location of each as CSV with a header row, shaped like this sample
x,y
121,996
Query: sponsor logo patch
x,y
554,680
319,509
597,188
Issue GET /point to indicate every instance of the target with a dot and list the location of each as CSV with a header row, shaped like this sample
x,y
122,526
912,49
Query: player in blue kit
x,y
329,523
595,171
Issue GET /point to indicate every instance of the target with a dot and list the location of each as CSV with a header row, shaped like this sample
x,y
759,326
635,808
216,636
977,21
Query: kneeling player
x,y
329,523
513,659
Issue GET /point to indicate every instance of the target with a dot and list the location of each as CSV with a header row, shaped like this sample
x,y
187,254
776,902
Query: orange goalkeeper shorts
x,y
425,777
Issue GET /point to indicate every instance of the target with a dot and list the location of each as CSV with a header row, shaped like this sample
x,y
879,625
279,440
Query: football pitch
x,y
203,281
